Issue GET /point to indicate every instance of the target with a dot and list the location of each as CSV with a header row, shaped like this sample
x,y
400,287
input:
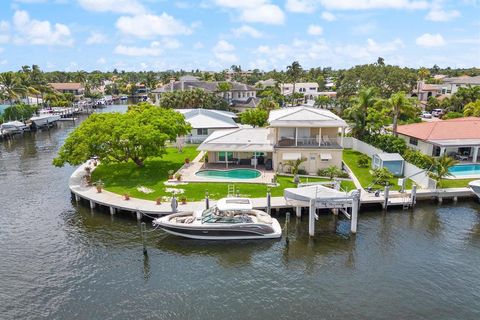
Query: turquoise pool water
x,y
465,170
229,174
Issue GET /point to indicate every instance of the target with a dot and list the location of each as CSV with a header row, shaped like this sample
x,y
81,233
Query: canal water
x,y
63,261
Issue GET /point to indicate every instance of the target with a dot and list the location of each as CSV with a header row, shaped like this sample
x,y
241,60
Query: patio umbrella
x,y
174,204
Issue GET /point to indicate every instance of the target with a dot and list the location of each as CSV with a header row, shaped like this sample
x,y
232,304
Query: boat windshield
x,y
213,215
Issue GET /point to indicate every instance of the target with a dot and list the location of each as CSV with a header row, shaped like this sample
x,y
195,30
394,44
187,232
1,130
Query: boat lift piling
x,y
143,232
269,204
207,200
287,221
386,194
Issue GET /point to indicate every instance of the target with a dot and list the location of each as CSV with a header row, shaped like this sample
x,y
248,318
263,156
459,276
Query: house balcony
x,y
310,142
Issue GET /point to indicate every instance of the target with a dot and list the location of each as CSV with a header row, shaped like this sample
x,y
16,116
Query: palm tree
x,y
398,103
367,97
439,168
12,87
294,166
294,72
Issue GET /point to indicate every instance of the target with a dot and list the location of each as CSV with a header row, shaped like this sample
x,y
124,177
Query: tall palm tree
x,y
294,72
439,168
367,97
398,103
11,86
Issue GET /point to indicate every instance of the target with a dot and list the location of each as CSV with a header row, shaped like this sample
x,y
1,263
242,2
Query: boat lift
x,y
321,197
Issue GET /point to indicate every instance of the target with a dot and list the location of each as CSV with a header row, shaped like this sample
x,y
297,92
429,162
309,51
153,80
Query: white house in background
x,y
459,138
293,133
451,85
308,89
205,121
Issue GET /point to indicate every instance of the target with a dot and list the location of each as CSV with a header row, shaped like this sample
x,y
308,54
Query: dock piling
x,y
139,215
207,200
92,204
299,212
269,204
353,223
413,196
386,193
311,218
112,210
287,221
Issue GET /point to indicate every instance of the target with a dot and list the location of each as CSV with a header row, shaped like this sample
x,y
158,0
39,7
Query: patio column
x,y
255,159
442,150
296,136
341,136
475,154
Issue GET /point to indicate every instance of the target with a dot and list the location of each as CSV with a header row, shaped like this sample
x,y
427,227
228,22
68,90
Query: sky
x,y
158,35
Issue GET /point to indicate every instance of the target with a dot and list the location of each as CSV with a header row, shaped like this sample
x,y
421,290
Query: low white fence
x,y
419,176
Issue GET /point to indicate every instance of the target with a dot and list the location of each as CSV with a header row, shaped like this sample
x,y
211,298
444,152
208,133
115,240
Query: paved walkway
x,y
79,187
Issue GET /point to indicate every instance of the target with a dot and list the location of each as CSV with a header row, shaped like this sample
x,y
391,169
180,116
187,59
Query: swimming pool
x,y
465,170
229,174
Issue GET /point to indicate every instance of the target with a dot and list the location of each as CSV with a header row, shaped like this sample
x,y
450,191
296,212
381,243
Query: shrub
x,y
332,172
452,115
302,171
388,143
363,161
382,176
417,158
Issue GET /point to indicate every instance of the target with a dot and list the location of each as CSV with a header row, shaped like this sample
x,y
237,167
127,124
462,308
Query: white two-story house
x,y
314,135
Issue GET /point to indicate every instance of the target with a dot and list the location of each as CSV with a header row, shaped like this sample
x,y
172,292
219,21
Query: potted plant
x,y
178,176
99,185
126,196
187,160
183,200
170,174
158,200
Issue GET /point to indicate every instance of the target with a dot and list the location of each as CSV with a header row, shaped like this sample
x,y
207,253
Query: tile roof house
x,y
74,88
240,96
205,121
457,137
292,133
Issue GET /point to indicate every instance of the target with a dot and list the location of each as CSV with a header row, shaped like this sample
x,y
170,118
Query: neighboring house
x,y
425,91
459,138
292,133
230,74
451,85
269,83
240,96
205,121
74,88
308,89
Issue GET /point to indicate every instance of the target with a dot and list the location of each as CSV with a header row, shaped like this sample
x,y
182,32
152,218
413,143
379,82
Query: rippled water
x,y
60,261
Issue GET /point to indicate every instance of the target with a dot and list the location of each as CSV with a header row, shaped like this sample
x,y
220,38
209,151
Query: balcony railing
x,y
312,142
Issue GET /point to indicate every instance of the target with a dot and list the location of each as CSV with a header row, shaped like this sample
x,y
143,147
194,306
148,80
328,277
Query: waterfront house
x,y
240,96
310,90
75,88
205,121
459,138
293,133
451,85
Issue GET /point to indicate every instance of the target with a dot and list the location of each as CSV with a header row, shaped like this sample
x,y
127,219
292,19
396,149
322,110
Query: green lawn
x,y
124,178
457,183
363,174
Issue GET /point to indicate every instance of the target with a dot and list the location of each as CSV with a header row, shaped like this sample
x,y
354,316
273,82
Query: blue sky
x,y
214,34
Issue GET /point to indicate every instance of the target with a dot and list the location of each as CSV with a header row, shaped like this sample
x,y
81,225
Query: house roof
x,y
445,132
463,80
66,85
301,84
304,116
211,86
206,118
239,140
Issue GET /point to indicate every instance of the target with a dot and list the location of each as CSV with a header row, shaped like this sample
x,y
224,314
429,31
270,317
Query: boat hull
x,y
475,186
240,232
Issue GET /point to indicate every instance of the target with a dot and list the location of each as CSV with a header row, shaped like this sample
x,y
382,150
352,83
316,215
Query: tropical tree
x,y
398,104
150,80
472,109
11,86
136,135
19,111
294,166
256,117
323,101
357,114
439,168
268,104
294,73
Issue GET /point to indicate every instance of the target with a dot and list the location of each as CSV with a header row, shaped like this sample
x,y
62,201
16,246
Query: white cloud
x,y
96,38
153,50
301,6
223,52
315,30
171,43
31,31
148,25
430,40
442,15
374,4
365,28
1,50
198,45
2,62
4,29
328,16
101,60
118,6
258,11
246,30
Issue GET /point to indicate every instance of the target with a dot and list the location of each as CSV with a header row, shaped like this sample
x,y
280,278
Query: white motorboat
x,y
12,127
475,186
229,219
45,119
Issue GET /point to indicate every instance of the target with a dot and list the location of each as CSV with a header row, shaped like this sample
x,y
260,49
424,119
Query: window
x,y
202,132
414,141
221,156
436,151
258,154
